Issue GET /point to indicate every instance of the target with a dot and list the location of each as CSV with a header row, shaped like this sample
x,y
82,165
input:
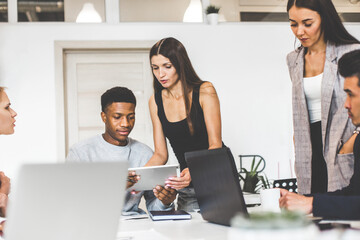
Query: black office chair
x,y
289,184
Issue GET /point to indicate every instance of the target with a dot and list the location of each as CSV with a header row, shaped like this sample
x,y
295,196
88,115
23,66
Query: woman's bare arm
x,y
160,156
210,104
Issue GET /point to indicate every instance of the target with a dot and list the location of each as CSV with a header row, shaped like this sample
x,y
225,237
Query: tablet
x,y
154,175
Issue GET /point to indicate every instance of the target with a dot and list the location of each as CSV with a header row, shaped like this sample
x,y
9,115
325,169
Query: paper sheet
x,y
148,235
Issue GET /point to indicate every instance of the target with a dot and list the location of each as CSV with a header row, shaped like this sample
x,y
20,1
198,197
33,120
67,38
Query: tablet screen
x,y
154,175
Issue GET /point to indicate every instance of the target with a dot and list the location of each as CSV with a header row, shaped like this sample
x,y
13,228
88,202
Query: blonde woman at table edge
x,y
323,133
7,124
184,109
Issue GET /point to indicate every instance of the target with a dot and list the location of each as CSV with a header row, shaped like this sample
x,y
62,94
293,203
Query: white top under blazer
x,y
312,89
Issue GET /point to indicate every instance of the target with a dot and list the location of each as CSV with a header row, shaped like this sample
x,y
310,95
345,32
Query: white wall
x,y
245,62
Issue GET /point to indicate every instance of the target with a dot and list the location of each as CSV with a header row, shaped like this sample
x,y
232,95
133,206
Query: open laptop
x,y
72,201
216,183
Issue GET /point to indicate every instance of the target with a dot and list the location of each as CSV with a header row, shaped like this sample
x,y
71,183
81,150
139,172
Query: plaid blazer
x,y
335,124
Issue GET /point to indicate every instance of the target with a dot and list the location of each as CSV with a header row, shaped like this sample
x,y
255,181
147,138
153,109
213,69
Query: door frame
x,y
60,48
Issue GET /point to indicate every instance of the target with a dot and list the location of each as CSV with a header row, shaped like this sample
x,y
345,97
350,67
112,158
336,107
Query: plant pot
x,y
213,18
250,183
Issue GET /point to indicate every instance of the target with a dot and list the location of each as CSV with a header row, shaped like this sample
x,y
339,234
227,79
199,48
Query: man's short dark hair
x,y
349,65
117,94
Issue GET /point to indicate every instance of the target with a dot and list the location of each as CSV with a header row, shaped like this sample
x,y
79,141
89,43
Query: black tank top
x,y
178,133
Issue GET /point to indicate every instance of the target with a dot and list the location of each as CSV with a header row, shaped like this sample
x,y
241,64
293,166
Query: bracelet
x,y
357,131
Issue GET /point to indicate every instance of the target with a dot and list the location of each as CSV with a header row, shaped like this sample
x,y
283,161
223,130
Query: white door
x,y
88,74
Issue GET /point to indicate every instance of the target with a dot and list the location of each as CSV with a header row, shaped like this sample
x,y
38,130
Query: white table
x,y
197,228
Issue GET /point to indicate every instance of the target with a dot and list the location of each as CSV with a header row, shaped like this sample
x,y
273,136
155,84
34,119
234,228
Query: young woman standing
x,y
323,133
184,109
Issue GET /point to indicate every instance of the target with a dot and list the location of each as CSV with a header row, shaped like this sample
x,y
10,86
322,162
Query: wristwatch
x,y
357,130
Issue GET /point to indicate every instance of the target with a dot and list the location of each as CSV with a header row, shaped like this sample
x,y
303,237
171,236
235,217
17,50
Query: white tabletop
x,y
197,228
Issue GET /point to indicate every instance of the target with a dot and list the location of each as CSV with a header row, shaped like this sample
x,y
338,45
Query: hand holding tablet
x,y
152,176
181,181
165,194
132,179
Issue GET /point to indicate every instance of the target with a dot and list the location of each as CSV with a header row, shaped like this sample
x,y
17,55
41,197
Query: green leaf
x,y
265,181
252,174
252,165
212,9
257,166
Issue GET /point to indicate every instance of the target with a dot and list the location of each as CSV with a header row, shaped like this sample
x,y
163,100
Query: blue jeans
x,y
187,200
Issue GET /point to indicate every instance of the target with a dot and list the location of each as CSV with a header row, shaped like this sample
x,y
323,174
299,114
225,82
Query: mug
x,y
270,199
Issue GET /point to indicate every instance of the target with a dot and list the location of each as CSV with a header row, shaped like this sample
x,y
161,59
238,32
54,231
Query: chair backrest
x,y
289,184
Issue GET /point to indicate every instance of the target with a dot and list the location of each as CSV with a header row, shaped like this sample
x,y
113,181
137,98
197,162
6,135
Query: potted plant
x,y
212,13
254,179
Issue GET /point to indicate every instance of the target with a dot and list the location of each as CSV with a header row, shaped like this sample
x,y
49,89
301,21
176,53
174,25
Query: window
x,y
40,10
3,11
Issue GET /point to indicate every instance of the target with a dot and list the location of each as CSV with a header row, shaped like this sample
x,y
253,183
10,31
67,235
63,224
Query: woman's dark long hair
x,y
331,25
172,49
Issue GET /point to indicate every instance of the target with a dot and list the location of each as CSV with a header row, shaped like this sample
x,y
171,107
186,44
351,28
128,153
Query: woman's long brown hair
x,y
175,51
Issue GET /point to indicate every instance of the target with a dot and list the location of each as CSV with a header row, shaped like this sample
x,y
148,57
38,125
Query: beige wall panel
x,y
72,8
152,11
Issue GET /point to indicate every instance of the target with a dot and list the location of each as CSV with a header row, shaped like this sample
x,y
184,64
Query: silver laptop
x,y
72,201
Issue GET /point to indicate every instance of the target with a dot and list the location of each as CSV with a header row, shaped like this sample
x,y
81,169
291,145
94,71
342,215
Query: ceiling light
x,y
194,12
88,14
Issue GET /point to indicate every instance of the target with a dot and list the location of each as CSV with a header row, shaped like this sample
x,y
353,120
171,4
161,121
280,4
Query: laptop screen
x,y
69,201
216,183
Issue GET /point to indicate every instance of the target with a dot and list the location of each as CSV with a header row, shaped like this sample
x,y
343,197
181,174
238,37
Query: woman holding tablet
x,y
323,133
184,109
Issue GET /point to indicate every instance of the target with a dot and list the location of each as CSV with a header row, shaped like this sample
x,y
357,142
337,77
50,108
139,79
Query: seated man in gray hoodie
x,y
118,114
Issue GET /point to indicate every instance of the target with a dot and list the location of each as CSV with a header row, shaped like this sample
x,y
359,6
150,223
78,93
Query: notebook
x,y
169,215
72,201
216,183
